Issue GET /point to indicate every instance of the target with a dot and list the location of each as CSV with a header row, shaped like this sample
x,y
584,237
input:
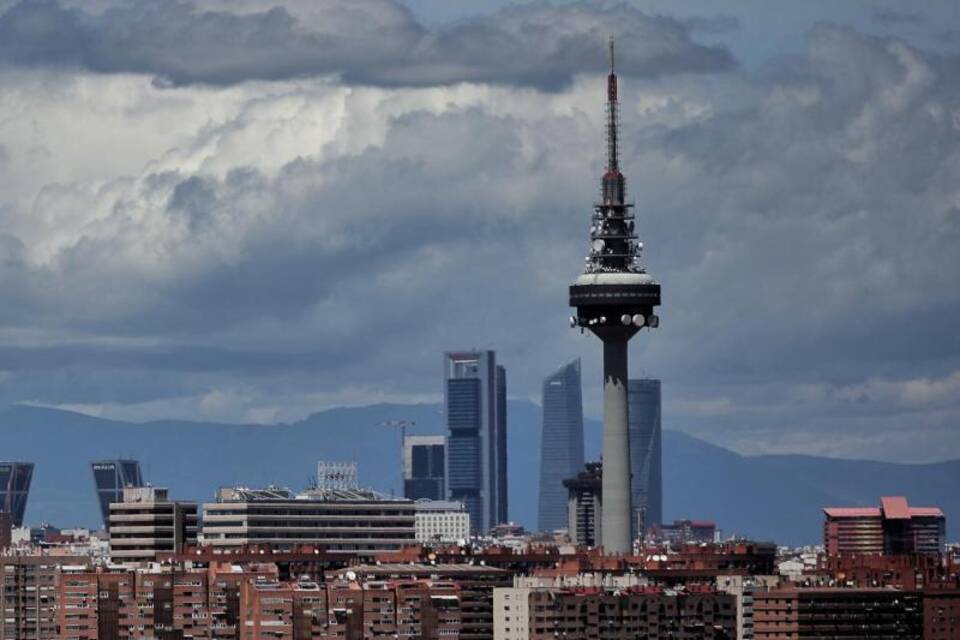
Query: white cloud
x,y
257,251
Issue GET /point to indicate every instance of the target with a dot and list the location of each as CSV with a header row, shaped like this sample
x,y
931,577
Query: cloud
x,y
259,248
889,17
364,41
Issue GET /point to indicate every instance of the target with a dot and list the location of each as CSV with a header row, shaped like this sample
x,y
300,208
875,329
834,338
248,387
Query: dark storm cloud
x,y
366,41
803,220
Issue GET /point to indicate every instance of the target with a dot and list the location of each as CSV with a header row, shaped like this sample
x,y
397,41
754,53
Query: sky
x,y
250,210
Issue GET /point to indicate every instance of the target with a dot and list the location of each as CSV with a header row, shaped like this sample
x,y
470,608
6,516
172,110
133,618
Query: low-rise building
x,y
526,613
812,614
339,520
441,521
743,588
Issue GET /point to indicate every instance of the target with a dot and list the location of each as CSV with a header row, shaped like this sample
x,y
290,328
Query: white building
x,y
147,522
348,520
441,521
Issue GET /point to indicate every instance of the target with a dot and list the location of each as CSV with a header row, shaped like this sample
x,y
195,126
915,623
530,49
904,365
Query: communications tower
x,y
614,298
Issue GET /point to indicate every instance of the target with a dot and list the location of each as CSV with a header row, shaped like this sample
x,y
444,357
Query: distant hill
x,y
772,497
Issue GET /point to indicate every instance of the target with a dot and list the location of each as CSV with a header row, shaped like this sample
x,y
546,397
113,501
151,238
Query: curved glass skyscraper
x,y
646,484
561,446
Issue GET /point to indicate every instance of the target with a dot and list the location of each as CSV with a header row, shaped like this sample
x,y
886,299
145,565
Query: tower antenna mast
x,y
614,298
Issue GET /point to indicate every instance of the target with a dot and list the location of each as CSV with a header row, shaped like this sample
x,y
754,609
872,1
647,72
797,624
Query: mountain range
x,y
773,497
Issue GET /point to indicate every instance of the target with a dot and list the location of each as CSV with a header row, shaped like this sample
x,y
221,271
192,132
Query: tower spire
x,y
613,163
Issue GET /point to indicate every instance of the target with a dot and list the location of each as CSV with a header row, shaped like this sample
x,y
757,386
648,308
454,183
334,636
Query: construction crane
x,y
402,426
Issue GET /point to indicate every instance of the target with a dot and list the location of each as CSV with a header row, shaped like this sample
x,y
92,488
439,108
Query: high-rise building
x,y
585,505
111,477
892,528
15,488
475,397
646,485
561,447
424,465
614,299
147,523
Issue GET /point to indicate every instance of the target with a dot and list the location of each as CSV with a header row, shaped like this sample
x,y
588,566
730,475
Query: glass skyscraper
x,y
475,397
14,488
424,465
561,445
110,478
646,485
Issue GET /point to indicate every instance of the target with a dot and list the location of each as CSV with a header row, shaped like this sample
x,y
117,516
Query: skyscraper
x,y
14,488
646,486
424,464
111,477
614,298
475,397
561,446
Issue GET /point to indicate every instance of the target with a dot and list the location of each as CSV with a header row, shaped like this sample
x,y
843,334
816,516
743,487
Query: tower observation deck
x,y
614,298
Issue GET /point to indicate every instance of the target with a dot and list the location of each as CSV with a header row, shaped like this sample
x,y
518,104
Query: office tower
x,y
561,447
111,477
475,397
646,486
424,464
614,298
585,505
892,528
147,523
14,489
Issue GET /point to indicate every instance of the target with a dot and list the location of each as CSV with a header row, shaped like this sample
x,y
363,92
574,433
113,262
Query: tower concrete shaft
x,y
614,298
615,519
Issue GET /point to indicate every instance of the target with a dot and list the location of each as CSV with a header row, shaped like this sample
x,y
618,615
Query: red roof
x,y
892,508
895,507
852,512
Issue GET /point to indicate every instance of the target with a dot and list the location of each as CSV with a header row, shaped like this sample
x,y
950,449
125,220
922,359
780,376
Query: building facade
x,y
681,532
585,505
111,477
442,522
811,614
348,520
475,398
148,523
28,600
15,480
646,473
424,467
561,446
523,613
892,528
